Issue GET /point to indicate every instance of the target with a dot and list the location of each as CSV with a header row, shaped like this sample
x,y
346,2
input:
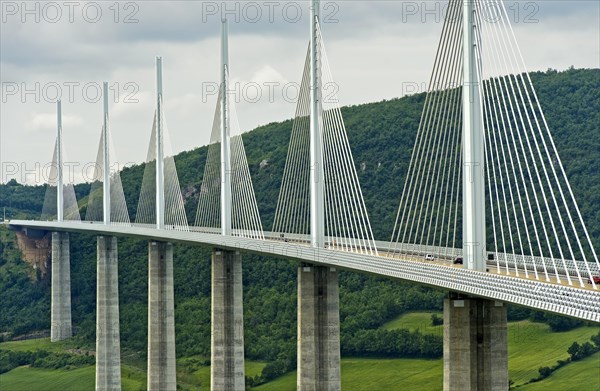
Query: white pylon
x,y
59,162
105,151
474,237
317,210
225,135
160,171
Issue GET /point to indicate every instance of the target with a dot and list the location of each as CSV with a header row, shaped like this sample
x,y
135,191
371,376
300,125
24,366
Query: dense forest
x,y
381,136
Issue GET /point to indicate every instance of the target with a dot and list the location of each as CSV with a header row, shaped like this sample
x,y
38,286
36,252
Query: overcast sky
x,y
377,50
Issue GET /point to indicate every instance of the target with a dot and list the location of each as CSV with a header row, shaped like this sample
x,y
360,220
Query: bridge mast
x,y
474,237
160,173
225,148
106,168
317,212
59,163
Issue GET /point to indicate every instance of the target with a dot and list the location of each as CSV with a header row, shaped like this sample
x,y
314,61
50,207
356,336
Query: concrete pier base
x,y
227,327
475,345
108,345
60,313
318,329
161,318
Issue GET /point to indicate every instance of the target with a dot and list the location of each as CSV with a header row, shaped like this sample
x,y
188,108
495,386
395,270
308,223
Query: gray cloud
x,y
376,49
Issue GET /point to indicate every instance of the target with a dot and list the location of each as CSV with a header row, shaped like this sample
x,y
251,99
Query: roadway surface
x,y
571,301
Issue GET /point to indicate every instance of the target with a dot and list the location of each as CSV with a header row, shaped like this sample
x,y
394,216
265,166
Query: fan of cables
x,y
534,225
245,218
70,207
347,225
175,217
95,205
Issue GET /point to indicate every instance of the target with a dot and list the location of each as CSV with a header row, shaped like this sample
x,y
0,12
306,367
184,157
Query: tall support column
x,y
227,327
474,238
60,313
225,134
475,345
161,318
318,329
317,182
108,345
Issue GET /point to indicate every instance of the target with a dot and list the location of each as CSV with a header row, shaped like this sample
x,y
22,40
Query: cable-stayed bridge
x,y
487,213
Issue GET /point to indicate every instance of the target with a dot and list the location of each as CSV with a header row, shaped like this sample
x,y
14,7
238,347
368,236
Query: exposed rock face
x,y
36,251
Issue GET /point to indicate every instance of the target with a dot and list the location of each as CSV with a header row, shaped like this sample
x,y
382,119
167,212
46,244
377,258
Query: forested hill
x,y
381,136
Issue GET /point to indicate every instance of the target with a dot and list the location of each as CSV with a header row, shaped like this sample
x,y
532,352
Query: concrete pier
x,y
227,327
60,313
475,344
108,345
161,318
318,329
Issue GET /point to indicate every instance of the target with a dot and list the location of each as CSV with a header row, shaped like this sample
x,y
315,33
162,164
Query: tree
x,y
596,340
561,323
587,349
545,372
273,370
436,320
574,351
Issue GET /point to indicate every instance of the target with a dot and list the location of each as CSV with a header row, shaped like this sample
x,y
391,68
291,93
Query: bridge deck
x,y
565,300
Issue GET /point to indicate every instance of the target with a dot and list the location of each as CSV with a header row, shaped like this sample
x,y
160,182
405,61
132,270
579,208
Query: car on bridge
x,y
429,257
596,280
458,261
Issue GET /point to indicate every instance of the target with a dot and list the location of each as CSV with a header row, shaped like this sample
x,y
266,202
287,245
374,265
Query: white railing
x,y
564,300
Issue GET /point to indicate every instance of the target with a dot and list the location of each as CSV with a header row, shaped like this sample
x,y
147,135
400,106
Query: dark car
x,y
458,261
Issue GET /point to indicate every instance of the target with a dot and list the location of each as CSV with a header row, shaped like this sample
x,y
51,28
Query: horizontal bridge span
x,y
569,301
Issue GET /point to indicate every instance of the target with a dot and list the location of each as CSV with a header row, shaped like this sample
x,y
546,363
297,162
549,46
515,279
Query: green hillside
x,y
381,136
531,346
583,376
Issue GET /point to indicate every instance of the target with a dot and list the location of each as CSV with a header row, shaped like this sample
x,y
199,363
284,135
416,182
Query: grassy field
x,y
415,321
364,374
573,377
36,344
201,375
534,345
132,379
190,374
28,379
531,346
